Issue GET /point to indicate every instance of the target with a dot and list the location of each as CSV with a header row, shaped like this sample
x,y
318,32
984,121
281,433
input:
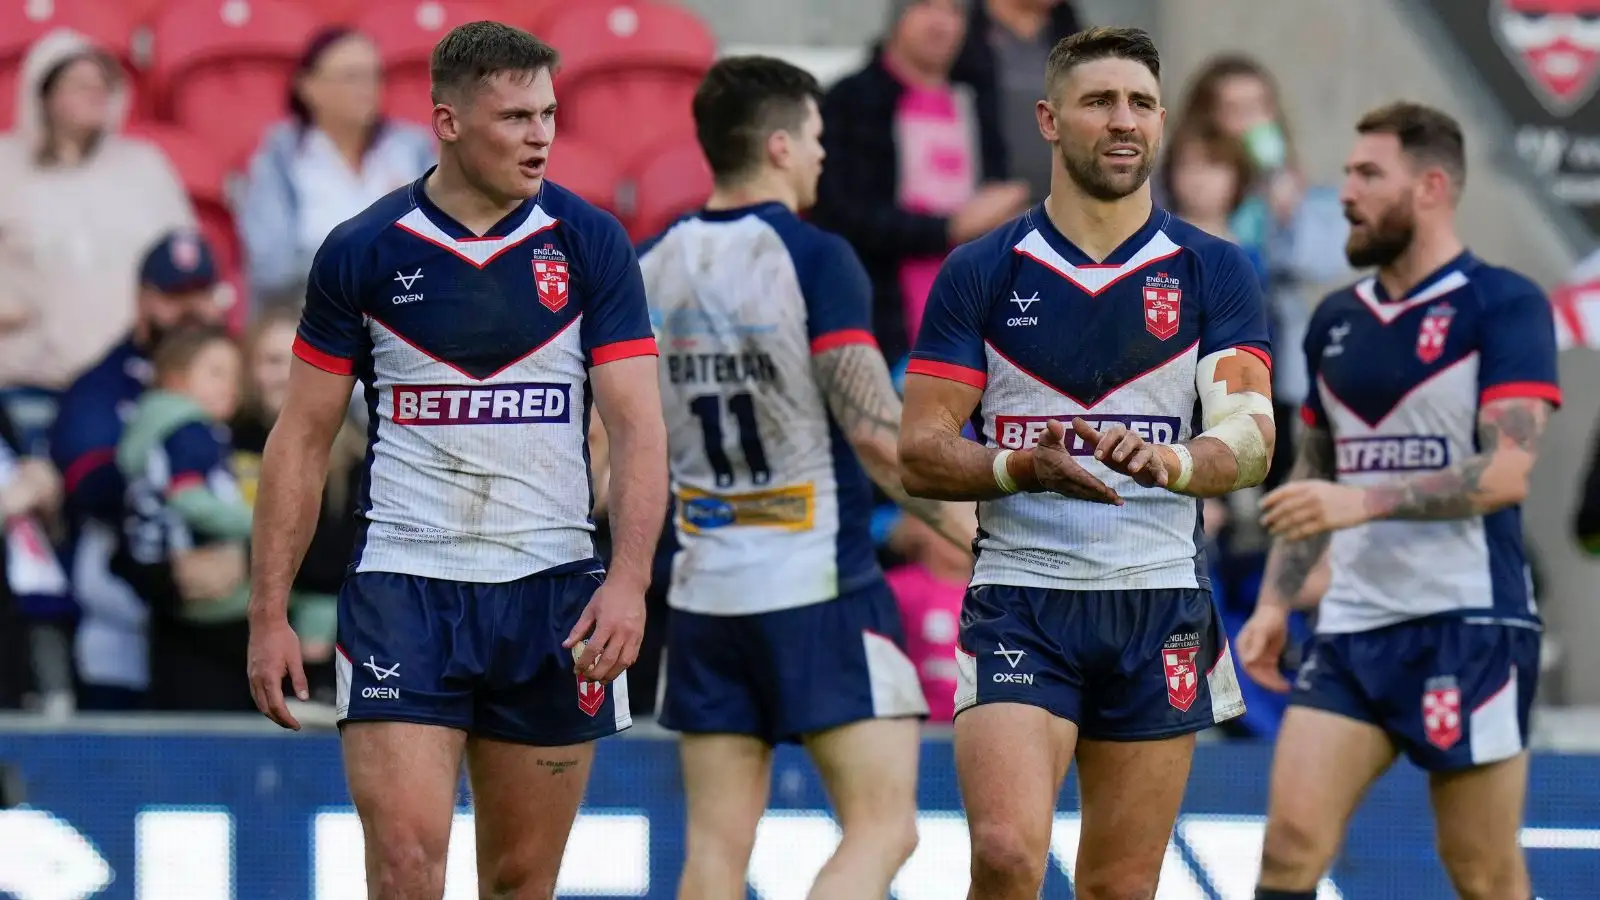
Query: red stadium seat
x,y
629,71
205,178
223,66
670,181
587,171
108,23
406,32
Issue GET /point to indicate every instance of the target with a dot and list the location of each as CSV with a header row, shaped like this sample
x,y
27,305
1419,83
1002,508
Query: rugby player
x,y
1434,381
1088,632
481,307
781,414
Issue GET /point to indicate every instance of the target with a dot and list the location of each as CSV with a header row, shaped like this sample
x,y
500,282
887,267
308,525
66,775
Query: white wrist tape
x,y
1229,419
1185,467
1002,475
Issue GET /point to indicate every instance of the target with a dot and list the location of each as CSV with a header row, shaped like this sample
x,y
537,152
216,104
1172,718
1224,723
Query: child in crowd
x,y
175,455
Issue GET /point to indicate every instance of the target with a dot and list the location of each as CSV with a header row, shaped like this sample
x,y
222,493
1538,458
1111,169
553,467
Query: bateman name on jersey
x,y
721,368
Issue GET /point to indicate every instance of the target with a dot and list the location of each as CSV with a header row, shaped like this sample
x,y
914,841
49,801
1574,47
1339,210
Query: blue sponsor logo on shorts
x,y
1022,432
500,404
1410,453
704,513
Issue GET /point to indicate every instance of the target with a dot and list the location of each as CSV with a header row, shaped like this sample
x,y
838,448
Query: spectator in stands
x,y
176,287
1008,43
335,156
268,355
929,588
34,657
905,179
1208,177
81,205
1298,230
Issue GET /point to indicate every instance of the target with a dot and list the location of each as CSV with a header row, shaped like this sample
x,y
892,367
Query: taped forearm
x,y
1238,427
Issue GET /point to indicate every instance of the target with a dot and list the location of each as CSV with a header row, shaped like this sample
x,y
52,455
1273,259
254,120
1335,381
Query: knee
x,y
1486,876
1294,848
1002,854
1115,886
505,880
406,868
893,837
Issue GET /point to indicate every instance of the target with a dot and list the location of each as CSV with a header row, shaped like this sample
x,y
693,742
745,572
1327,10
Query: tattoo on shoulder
x,y
855,381
1518,422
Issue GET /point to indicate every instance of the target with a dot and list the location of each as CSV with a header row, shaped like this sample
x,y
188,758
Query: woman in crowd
x,y
81,205
1297,229
333,158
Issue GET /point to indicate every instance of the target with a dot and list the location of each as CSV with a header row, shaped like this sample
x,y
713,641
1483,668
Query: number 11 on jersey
x,y
742,406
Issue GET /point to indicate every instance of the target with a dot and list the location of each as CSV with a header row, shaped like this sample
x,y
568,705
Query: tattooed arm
x,y
856,383
1494,478
1291,563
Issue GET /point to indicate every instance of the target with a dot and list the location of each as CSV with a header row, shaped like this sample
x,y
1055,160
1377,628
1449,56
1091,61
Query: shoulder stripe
x,y
1528,390
947,371
605,353
1257,352
327,362
833,340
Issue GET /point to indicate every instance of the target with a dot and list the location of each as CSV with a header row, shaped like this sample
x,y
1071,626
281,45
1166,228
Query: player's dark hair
x,y
178,350
1202,106
741,102
1427,135
1091,44
475,52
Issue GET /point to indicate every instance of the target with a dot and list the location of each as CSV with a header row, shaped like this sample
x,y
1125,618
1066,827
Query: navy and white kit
x,y
782,624
1428,629
475,555
1100,614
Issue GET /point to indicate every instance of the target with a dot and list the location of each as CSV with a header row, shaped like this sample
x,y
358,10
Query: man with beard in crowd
x,y
1434,381
1088,633
177,288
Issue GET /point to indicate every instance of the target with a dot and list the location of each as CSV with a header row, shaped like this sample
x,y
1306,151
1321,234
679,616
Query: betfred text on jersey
x,y
501,404
1412,453
1022,432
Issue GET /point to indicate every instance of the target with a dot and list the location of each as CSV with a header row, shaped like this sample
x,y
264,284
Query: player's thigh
x,y
1130,793
530,693
402,778
834,663
1478,817
524,800
726,781
870,770
1010,761
1322,766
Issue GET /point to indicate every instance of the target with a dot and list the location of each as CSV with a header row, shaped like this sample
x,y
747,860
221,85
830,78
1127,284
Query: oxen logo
x,y
1433,332
1441,712
1555,44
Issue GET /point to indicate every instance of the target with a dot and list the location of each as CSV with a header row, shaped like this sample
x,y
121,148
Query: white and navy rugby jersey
x,y
773,507
1048,333
474,353
1398,384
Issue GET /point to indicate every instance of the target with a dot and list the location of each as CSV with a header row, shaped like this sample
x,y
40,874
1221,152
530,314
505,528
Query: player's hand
x,y
1261,644
1058,472
1126,452
274,653
1302,509
614,623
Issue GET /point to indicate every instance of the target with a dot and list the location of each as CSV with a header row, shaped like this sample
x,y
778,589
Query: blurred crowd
x,y
131,421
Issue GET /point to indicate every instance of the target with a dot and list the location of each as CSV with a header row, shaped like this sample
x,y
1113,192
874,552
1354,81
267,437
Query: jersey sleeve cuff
x,y
1523,390
89,462
947,371
323,360
1257,352
605,353
833,340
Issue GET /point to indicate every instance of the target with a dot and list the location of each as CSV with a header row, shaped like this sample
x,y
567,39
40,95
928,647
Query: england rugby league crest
x,y
1180,662
1433,332
1162,300
550,277
1555,45
591,695
1441,712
